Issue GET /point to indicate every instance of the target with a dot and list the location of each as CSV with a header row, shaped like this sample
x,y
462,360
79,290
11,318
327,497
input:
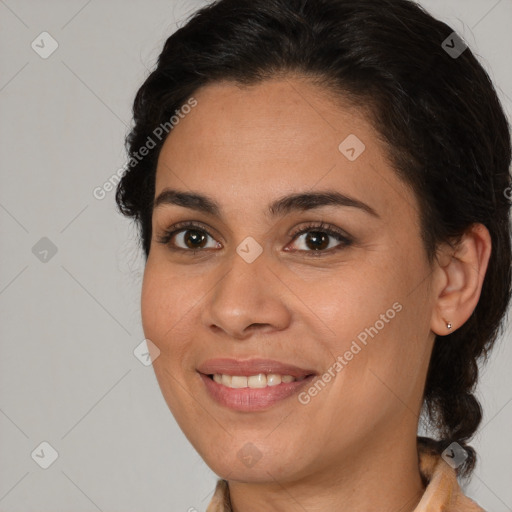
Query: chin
x,y
250,464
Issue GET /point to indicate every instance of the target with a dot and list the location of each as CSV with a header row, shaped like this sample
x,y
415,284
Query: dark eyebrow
x,y
299,201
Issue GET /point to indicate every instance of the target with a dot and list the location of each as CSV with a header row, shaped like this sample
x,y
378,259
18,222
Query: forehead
x,y
276,137
278,118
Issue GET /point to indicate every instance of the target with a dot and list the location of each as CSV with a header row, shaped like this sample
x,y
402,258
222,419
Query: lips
x,y
252,399
250,367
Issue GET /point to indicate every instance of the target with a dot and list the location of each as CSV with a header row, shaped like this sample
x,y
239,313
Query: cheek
x,y
367,315
163,311
166,297
152,306
347,302
170,300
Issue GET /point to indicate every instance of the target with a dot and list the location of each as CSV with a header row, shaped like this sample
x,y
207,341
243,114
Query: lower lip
x,y
252,399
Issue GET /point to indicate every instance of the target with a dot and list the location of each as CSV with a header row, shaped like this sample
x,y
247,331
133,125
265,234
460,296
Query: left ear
x,y
460,273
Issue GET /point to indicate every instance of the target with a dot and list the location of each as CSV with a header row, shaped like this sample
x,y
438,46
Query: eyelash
x,y
321,227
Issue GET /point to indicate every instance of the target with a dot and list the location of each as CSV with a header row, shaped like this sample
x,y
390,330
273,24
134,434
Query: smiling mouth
x,y
257,381
253,393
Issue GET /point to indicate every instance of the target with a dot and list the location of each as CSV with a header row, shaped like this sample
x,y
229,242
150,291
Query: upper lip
x,y
246,367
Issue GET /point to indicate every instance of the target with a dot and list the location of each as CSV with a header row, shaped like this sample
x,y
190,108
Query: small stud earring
x,y
448,324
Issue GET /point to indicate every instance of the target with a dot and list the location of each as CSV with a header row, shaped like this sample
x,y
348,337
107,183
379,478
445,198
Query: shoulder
x,y
442,492
220,501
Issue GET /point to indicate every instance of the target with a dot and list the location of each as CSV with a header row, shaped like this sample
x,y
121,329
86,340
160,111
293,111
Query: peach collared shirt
x,y
442,492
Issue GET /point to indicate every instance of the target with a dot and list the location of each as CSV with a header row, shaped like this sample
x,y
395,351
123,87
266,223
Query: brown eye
x,y
194,238
188,238
317,239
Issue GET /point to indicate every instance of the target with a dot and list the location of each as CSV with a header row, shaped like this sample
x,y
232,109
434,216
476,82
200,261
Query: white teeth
x,y
253,381
257,381
238,381
273,379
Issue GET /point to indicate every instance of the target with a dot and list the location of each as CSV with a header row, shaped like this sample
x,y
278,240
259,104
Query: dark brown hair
x,y
439,115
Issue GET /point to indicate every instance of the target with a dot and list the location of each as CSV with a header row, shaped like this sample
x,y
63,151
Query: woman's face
x,y
240,293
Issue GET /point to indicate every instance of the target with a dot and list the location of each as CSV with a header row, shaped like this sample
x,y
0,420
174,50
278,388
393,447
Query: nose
x,y
248,298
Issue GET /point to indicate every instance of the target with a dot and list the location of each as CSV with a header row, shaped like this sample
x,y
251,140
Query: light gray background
x,y
69,326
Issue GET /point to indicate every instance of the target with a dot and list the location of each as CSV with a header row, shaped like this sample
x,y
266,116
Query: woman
x,y
327,248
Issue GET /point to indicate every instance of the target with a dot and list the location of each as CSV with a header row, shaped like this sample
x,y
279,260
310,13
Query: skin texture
x,y
353,446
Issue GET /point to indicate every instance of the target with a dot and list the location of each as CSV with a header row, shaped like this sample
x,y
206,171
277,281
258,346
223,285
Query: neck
x,y
379,476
